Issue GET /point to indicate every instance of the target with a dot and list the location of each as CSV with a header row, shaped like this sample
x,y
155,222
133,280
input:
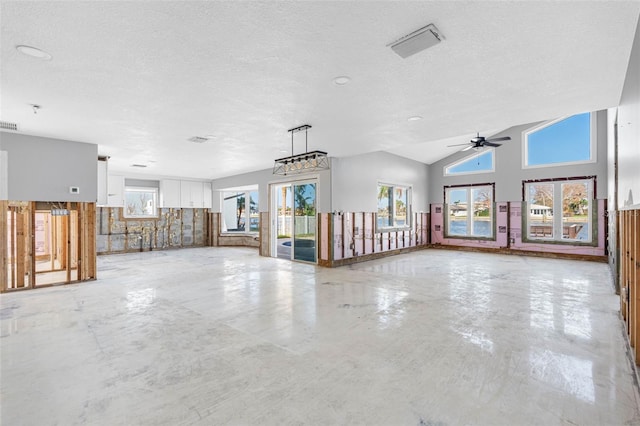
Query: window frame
x,y
492,216
408,215
557,238
246,215
593,142
468,158
133,189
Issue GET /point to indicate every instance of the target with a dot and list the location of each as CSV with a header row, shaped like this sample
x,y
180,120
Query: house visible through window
x,y
394,206
565,141
469,211
240,211
559,210
478,162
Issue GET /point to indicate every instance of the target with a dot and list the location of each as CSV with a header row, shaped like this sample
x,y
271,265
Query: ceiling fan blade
x,y
467,148
505,138
459,144
487,143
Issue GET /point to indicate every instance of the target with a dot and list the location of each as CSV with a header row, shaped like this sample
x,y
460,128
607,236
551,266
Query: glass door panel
x,y
304,222
284,221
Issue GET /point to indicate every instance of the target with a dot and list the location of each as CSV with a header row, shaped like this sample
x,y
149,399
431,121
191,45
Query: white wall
x,y
509,174
264,178
629,133
43,169
355,181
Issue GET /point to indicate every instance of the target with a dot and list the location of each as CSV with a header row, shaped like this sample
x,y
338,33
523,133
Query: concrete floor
x,y
222,336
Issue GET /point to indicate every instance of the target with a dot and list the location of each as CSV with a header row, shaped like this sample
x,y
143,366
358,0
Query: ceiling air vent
x,y
417,41
8,126
142,166
198,139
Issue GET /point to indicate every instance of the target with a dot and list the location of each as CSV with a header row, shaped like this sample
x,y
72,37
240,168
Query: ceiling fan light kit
x,y
301,163
480,142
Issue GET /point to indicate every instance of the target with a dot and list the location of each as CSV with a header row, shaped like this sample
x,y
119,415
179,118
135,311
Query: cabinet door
x,y
103,184
191,194
207,194
115,191
170,193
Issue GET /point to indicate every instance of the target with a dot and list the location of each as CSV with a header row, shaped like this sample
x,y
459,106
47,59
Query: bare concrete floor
x,y
222,336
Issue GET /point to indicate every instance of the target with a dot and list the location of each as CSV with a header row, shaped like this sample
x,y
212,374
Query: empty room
x,y
319,212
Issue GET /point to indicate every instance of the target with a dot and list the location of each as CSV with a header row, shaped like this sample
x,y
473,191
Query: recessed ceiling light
x,y
34,52
414,118
342,80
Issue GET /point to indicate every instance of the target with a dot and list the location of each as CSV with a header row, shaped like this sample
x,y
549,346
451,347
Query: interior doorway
x,y
46,243
294,225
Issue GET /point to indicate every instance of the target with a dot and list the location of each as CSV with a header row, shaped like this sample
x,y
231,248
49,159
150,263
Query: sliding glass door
x,y
294,227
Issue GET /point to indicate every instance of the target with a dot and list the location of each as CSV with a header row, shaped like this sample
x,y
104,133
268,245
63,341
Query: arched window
x,y
478,162
569,140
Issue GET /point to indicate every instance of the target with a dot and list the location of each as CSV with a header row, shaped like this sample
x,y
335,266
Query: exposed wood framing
x,y
629,238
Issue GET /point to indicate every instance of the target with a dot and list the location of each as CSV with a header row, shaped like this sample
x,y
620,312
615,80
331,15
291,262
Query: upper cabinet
x,y
208,195
170,193
115,191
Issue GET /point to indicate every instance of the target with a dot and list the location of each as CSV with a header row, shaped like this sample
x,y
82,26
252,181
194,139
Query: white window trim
x,y
593,143
247,191
409,220
470,157
141,189
469,189
557,207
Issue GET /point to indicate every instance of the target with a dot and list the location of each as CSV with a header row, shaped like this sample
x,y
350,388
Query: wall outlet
x,y
74,190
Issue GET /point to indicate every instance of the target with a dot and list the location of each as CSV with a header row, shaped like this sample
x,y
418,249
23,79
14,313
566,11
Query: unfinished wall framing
x,y
172,228
629,240
47,243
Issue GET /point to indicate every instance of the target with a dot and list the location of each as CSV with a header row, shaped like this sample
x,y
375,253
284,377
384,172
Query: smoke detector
x,y
417,41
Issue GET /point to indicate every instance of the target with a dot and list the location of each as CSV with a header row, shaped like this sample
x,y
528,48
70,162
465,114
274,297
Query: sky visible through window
x,y
566,141
477,163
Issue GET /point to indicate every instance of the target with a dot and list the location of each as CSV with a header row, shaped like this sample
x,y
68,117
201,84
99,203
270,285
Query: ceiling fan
x,y
480,141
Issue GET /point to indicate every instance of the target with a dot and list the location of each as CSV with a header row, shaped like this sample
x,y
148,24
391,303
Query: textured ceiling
x,y
141,78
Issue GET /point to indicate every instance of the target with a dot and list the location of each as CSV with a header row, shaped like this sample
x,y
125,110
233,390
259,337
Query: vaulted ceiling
x,y
140,78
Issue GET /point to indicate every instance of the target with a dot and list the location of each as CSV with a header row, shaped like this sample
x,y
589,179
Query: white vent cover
x,y
417,41
8,126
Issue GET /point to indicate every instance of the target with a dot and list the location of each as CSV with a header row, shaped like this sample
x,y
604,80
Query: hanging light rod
x,y
299,128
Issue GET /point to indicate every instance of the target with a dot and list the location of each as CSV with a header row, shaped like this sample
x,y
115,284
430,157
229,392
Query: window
x,y
240,209
394,206
479,162
559,210
469,211
566,141
140,202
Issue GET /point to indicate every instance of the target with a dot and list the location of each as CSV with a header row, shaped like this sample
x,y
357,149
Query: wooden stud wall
x,y
629,238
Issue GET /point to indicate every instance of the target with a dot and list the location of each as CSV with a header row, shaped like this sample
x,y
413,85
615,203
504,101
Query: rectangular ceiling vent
x,y
417,41
198,139
8,126
142,166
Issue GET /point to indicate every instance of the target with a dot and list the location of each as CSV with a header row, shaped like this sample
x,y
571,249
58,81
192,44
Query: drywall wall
x,y
43,169
355,181
509,173
629,133
264,178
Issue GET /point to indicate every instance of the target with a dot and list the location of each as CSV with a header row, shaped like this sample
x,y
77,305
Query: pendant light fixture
x,y
301,163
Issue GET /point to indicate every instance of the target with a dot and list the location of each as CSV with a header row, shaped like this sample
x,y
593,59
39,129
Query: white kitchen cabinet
x,y
170,193
115,191
191,194
207,193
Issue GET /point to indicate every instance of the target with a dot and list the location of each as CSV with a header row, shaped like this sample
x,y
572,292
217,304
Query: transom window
x,y
394,205
140,202
566,141
559,210
478,162
469,211
240,211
